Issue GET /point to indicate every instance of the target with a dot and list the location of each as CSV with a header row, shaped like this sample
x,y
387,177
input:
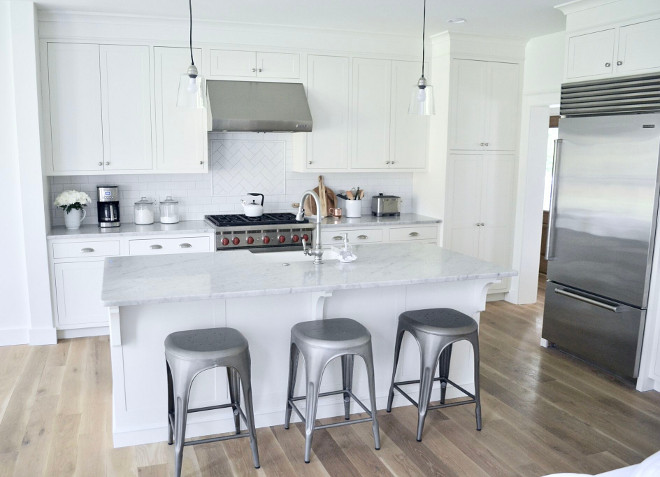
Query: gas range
x,y
238,231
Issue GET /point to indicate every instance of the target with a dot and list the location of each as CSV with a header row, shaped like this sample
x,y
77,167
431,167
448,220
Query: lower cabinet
x,y
77,293
384,234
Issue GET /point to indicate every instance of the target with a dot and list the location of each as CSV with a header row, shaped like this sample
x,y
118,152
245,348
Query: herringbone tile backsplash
x,y
239,163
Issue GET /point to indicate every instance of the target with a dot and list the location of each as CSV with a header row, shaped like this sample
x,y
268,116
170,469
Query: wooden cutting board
x,y
327,197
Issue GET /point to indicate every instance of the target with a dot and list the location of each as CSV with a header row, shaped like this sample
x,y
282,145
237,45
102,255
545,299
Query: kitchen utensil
x,y
144,211
350,195
385,205
327,197
252,209
169,211
353,208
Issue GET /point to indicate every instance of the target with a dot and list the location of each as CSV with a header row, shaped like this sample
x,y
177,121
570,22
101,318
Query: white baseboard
x,y
42,336
82,332
13,336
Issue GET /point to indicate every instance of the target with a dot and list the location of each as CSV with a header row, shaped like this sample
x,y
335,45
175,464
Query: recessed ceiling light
x,y
456,20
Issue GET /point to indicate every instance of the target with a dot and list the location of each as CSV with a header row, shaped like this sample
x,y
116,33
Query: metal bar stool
x,y
435,330
319,342
188,353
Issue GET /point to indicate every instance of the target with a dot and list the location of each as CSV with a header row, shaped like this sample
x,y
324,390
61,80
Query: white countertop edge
x,y
130,229
306,289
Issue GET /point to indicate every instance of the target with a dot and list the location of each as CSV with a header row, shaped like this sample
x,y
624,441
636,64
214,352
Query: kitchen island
x,y
263,296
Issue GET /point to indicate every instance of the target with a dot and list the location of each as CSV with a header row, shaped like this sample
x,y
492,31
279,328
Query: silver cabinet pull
x,y
260,70
619,63
487,144
553,200
107,163
100,163
155,246
607,65
607,306
185,245
362,237
201,163
309,162
254,70
413,234
337,237
86,250
482,144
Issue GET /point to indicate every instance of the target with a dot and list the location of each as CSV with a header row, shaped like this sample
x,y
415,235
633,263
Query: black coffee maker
x,y
108,206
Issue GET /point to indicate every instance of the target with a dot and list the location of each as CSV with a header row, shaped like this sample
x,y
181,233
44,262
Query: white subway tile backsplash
x,y
239,163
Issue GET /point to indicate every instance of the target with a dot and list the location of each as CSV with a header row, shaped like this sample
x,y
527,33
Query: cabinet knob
x,y
608,65
107,163
362,237
100,163
155,247
201,163
337,237
87,250
254,70
482,143
486,144
309,162
619,63
391,162
413,234
387,162
260,70
185,245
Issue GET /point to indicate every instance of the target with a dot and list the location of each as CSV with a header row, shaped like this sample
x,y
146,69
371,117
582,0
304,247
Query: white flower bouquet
x,y
72,199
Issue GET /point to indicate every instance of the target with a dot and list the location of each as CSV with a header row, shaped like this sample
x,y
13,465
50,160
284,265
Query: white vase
x,y
74,218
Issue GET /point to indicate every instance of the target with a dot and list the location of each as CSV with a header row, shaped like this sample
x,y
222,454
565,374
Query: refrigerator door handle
x,y
591,301
549,248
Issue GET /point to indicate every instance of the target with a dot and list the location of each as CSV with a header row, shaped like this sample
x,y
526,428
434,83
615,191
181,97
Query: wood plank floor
x,y
543,412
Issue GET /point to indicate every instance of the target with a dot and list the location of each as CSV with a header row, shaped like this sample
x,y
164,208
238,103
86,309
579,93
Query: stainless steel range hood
x,y
256,106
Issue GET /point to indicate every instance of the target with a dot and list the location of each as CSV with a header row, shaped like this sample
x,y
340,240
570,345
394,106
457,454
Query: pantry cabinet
x,y
479,211
255,64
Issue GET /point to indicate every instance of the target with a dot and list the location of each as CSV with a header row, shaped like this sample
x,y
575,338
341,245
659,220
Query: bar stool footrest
x,y
472,399
332,393
216,439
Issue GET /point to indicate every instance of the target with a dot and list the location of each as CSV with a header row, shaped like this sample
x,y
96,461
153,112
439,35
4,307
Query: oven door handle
x,y
591,301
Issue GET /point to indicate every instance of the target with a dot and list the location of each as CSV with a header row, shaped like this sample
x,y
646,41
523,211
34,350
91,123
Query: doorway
x,y
553,133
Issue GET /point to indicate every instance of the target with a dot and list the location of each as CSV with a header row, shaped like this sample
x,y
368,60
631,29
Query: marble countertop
x,y
125,229
137,280
371,221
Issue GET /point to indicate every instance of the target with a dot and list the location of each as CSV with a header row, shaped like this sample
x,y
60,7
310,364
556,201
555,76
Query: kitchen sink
x,y
288,257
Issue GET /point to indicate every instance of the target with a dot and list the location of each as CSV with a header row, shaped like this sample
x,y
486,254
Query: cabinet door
x,y
278,65
233,63
464,179
467,129
591,54
78,294
371,113
328,96
126,94
74,97
638,47
180,133
503,98
409,133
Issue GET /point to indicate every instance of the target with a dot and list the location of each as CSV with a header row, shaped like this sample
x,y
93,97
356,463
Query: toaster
x,y
385,205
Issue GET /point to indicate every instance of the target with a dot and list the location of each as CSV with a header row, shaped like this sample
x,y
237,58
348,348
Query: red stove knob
x,y
225,241
266,240
281,238
305,237
295,238
235,240
250,240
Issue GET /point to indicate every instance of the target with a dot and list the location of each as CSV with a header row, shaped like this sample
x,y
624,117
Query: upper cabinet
x,y
623,49
102,117
484,105
255,64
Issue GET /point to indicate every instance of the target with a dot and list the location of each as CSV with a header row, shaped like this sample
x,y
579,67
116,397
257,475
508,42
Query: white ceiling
x,y
511,18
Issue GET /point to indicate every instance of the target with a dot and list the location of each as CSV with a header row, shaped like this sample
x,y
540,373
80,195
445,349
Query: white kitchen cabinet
x,y
484,105
328,93
427,233
356,236
181,135
165,245
78,292
255,64
72,99
99,118
623,49
480,208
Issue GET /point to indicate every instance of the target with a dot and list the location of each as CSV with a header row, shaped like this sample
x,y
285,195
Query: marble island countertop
x,y
137,280
373,221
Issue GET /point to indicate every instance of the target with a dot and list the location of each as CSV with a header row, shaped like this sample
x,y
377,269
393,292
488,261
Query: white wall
x,y
14,317
543,73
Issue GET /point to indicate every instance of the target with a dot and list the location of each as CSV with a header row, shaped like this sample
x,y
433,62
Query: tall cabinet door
x,y
371,113
638,47
127,114
181,141
504,93
469,105
464,203
75,107
328,96
409,133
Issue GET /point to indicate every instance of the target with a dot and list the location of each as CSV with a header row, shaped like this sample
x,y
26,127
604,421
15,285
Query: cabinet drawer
x,y
86,249
355,236
169,245
413,233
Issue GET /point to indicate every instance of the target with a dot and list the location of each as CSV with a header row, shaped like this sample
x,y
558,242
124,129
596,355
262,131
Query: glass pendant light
x,y
192,86
421,97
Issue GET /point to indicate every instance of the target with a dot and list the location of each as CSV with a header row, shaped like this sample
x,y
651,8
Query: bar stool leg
x,y
347,363
293,370
429,355
182,381
234,396
369,362
397,350
170,405
474,340
245,377
443,370
314,370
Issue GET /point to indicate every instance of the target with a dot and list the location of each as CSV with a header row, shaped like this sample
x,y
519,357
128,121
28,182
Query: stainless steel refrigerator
x,y
601,236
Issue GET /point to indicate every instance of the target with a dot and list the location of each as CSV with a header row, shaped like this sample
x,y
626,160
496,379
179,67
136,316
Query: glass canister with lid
x,y
144,212
169,211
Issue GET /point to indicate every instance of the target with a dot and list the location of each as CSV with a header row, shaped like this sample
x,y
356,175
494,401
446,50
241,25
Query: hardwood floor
x,y
543,412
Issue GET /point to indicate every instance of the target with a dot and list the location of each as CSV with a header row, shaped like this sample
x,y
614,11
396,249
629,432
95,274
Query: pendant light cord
x,y
423,37
192,60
